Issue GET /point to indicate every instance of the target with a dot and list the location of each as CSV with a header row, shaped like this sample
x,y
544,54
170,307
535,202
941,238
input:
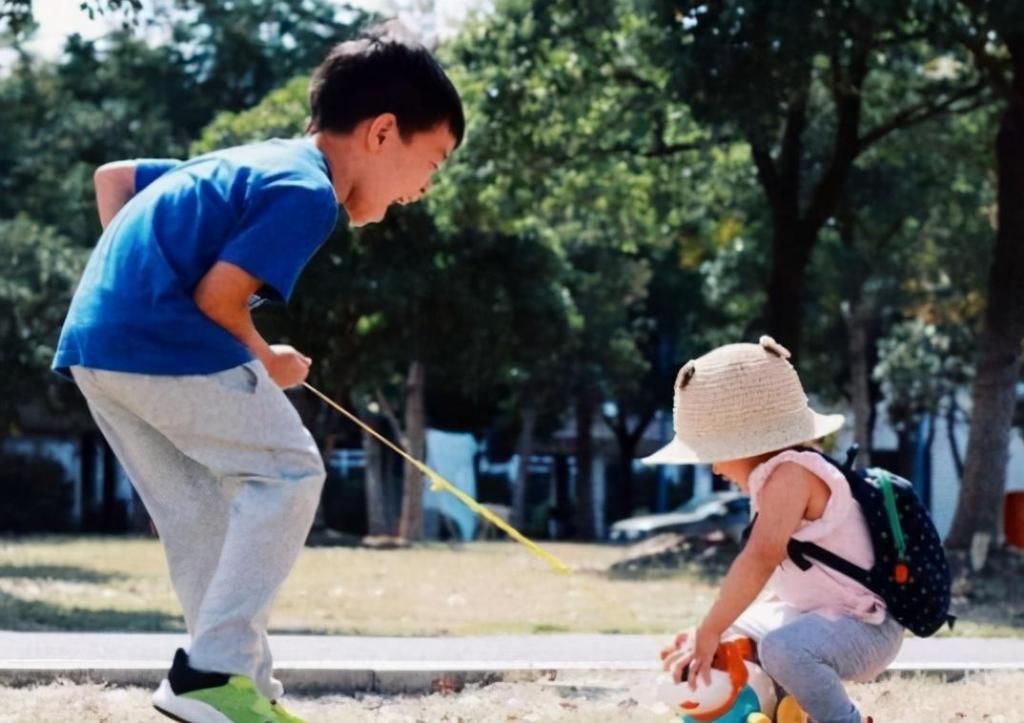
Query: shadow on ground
x,y
33,615
64,573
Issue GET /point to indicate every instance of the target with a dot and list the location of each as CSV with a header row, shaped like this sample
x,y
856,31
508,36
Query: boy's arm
x,y
117,182
115,186
223,295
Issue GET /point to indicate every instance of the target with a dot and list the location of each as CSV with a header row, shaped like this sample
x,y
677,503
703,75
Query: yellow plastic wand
x,y
438,483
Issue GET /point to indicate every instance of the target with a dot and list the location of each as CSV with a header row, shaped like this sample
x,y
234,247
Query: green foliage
x,y
281,114
39,276
572,138
745,66
66,119
570,134
811,88
912,239
919,365
239,51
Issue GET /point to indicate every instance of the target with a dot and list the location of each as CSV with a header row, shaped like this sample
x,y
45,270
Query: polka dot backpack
x,y
911,572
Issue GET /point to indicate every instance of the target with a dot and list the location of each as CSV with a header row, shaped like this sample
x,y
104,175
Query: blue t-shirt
x,y
265,208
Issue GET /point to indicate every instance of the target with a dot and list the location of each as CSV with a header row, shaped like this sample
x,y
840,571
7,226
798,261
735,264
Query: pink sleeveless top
x,y
841,529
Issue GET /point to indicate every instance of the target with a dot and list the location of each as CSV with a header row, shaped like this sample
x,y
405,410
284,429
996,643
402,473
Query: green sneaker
x,y
283,715
194,696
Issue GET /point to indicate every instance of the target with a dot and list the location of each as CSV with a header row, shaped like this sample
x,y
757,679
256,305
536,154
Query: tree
x,y
908,219
573,142
40,273
118,97
64,119
241,50
993,32
769,72
921,366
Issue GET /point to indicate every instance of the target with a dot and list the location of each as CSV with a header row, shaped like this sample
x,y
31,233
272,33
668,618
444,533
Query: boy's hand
x,y
286,366
689,661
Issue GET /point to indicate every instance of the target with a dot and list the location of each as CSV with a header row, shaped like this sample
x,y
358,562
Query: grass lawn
x,y
989,698
89,583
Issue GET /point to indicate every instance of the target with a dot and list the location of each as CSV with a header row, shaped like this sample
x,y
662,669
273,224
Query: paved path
x,y
345,664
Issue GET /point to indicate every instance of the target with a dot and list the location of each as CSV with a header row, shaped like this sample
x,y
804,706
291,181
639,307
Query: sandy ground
x,y
986,697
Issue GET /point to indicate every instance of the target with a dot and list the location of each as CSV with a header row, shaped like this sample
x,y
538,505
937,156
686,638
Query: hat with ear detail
x,y
740,400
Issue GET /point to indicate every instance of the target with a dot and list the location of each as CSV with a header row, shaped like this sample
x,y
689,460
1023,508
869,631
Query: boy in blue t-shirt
x,y
160,340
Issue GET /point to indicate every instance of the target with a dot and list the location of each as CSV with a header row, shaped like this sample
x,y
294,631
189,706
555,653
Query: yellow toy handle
x,y
789,711
438,483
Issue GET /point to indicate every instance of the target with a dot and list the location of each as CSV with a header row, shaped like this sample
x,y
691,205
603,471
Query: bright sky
x,y
60,18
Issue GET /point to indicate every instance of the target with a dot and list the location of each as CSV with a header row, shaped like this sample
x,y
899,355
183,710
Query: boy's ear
x,y
382,128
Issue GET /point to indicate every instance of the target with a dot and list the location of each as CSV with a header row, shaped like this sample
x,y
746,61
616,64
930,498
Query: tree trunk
x,y
993,394
954,445
790,255
858,321
621,500
376,512
410,525
925,472
905,450
112,508
524,448
586,404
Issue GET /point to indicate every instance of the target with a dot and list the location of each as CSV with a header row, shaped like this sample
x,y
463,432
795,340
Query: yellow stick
x,y
437,483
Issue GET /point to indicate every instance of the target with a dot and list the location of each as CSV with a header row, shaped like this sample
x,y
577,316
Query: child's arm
x,y
223,295
115,186
782,505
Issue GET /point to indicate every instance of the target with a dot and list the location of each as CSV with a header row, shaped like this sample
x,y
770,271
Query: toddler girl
x,y
742,409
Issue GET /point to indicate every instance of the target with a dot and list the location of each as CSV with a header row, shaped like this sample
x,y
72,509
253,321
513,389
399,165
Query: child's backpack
x,y
910,572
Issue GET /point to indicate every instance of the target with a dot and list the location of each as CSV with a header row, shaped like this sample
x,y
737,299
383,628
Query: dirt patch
x,y
669,554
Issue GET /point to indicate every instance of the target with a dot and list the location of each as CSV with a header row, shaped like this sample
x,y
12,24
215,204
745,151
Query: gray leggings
x,y
812,656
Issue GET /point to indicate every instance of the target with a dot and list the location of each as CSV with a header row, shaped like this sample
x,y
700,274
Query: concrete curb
x,y
389,665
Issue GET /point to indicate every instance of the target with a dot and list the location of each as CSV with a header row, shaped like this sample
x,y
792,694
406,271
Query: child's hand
x,y
286,366
677,644
689,661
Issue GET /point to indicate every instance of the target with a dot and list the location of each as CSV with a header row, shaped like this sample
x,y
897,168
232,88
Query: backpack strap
x,y
851,456
799,551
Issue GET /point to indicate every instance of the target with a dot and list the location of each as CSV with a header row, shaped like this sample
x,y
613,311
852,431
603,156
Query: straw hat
x,y
740,400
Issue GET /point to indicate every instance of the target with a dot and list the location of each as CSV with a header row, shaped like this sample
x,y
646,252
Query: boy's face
x,y
395,170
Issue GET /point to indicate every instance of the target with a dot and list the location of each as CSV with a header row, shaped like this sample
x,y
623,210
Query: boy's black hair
x,y
386,71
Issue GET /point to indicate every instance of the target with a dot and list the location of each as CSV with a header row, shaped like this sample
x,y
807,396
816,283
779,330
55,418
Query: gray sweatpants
x,y
231,479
